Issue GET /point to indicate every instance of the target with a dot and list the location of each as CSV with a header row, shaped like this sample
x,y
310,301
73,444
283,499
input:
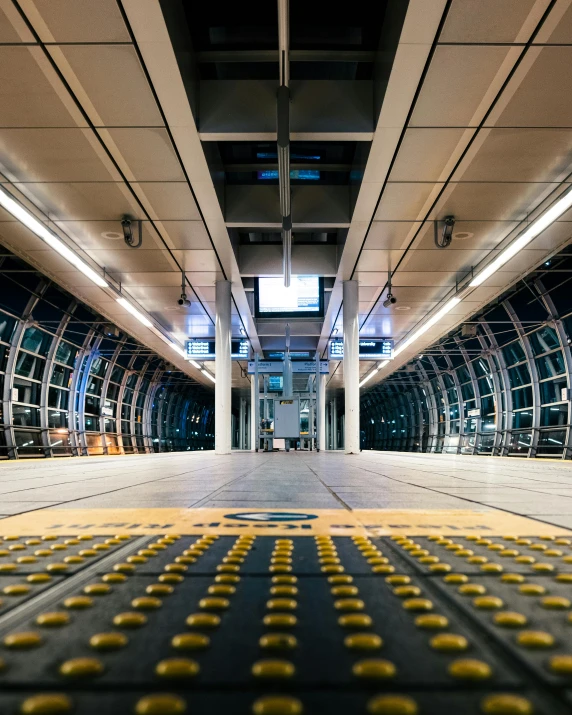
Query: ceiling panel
x,y
140,259
27,99
78,20
455,84
12,27
384,235
50,154
112,77
403,201
561,33
148,152
467,234
519,154
451,259
424,153
486,21
544,96
172,200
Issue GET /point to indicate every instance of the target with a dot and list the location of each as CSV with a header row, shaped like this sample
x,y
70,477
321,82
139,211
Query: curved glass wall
x,y
74,384
499,386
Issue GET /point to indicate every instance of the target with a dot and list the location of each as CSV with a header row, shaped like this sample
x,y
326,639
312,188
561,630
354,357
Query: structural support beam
x,y
321,421
351,366
223,368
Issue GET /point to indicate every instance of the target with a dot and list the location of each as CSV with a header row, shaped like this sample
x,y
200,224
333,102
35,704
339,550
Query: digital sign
x,y
204,349
375,349
303,298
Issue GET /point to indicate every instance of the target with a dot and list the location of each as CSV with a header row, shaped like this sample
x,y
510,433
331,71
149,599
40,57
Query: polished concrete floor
x,y
330,480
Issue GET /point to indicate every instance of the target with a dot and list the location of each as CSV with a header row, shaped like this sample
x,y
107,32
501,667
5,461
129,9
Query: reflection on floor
x,y
306,480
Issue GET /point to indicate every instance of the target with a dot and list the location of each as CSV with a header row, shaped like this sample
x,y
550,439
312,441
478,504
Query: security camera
x,y
183,301
128,236
389,301
446,234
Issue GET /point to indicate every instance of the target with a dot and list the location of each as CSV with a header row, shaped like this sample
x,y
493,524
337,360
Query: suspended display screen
x,y
376,349
204,349
304,297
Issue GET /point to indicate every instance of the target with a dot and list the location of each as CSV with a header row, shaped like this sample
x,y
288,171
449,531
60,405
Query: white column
x,y
241,423
223,369
351,366
322,409
334,423
253,410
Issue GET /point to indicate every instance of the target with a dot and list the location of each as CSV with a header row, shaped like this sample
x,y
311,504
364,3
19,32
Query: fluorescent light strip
x,y
195,364
31,222
537,227
179,350
449,305
367,378
205,372
134,312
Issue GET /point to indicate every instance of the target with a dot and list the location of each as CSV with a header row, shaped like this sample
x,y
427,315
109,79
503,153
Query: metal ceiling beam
x,y
283,139
271,56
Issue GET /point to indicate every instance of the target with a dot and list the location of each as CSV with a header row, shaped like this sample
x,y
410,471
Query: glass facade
x,y
501,386
74,384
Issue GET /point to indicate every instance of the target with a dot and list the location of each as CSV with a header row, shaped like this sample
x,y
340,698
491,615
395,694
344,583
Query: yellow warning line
x,y
296,522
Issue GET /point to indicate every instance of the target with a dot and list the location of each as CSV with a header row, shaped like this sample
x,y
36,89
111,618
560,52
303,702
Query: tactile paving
x,y
483,555
281,626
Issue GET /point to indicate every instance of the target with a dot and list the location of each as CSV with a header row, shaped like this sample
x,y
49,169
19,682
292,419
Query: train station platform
x,y
274,584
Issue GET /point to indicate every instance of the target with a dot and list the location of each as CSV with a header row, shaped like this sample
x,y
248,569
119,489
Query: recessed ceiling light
x,y
112,235
403,307
463,235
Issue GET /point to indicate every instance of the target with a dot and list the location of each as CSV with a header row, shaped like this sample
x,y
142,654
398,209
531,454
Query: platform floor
x,y
297,480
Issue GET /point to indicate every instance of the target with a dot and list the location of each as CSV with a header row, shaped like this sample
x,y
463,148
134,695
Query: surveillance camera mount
x,y
183,300
444,241
391,299
127,226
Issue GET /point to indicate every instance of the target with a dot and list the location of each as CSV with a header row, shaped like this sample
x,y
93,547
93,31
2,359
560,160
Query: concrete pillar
x,y
253,411
248,435
335,423
241,423
322,411
223,368
351,366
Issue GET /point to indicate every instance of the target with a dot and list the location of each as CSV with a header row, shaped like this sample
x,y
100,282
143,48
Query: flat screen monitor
x,y
303,299
204,349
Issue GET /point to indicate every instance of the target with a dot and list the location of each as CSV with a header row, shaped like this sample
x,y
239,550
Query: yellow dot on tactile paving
x,y
418,604
108,641
363,641
129,620
512,578
48,704
349,604
431,621
488,603
560,664
506,704
97,589
8,568
555,602
407,591
16,589
277,705
222,590
23,640
55,619
455,578
146,603
470,669
340,579
280,620
449,642
280,580
472,589
563,578
289,590
161,705
398,580
171,578
124,568
510,619
491,568
392,705
81,668
159,589
57,568
278,641
440,568
374,669
383,569
230,578
38,578
532,589
203,620
273,669
535,639
190,641
177,668
214,604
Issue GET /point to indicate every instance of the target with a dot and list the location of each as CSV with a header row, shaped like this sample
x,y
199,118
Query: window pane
x,y
522,420
36,341
522,398
544,340
92,405
513,353
481,367
57,419
485,385
61,376
25,416
7,324
58,398
550,365
519,375
467,391
29,366
28,442
28,392
551,391
66,353
463,374
551,442
520,441
554,416
99,366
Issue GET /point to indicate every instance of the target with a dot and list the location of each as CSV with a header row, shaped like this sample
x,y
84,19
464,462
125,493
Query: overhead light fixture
x,y
367,378
195,364
449,305
383,364
134,312
49,237
178,349
205,372
537,227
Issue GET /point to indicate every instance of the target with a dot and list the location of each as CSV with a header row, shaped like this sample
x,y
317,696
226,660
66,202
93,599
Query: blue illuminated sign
x,y
375,349
204,349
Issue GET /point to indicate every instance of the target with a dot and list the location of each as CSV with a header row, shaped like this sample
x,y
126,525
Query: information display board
x,y
269,367
204,349
304,298
374,349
